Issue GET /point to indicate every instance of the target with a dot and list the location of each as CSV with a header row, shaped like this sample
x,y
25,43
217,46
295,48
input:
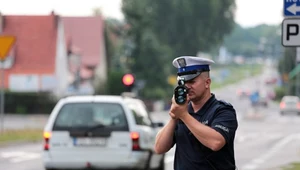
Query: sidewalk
x,y
18,121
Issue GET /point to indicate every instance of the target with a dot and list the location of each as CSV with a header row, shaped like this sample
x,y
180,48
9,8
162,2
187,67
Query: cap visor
x,y
189,76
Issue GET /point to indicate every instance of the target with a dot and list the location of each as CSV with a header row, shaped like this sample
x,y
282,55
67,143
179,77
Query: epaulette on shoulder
x,y
225,103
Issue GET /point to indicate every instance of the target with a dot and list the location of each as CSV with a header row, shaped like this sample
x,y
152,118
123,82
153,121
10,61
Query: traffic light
x,y
128,81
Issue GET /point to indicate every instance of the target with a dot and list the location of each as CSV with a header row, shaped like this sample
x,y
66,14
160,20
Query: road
x,y
264,141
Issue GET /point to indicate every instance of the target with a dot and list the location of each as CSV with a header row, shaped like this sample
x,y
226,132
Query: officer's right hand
x,y
172,115
178,110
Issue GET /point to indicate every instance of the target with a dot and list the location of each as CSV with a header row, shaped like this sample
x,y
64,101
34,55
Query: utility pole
x,y
6,42
297,83
2,95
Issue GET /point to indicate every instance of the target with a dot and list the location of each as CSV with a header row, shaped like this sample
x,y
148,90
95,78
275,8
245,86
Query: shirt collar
x,y
208,103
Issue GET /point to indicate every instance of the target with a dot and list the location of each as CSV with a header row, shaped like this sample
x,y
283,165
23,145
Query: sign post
x,y
291,35
298,74
6,42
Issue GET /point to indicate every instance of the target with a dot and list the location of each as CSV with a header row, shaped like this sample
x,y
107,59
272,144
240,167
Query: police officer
x,y
204,127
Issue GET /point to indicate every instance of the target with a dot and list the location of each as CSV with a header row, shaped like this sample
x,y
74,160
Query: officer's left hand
x,y
179,110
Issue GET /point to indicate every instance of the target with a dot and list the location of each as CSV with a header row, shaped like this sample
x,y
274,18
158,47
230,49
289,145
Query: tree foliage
x,y
286,64
254,41
113,30
162,30
287,61
189,26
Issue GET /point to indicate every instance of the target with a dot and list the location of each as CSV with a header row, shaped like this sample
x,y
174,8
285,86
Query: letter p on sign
x,y
291,32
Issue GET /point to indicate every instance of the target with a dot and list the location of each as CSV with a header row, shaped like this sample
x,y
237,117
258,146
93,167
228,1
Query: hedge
x,y
24,103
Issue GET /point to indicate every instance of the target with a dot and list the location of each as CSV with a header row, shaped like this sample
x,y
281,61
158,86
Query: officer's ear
x,y
207,79
207,82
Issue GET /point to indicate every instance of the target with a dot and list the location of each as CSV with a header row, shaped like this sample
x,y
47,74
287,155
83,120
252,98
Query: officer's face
x,y
198,86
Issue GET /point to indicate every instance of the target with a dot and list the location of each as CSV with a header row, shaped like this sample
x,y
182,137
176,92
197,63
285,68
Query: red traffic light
x,y
128,79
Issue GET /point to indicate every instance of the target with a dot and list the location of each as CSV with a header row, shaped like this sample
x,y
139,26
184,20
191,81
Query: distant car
x,y
262,101
271,80
101,132
271,95
290,104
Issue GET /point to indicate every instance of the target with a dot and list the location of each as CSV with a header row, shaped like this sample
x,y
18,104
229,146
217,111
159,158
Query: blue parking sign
x,y
291,7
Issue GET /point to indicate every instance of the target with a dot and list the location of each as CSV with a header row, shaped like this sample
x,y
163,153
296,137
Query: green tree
x,y
162,30
113,37
148,56
286,64
114,82
109,47
189,26
287,61
152,61
260,40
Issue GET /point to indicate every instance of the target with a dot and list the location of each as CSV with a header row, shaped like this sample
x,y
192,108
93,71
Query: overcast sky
x,y
249,12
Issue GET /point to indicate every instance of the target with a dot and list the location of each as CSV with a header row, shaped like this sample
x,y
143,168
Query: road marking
x,y
25,157
16,157
241,137
11,154
277,147
251,136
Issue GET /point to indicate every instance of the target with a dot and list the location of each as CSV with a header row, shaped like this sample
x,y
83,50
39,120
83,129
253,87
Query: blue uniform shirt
x,y
190,154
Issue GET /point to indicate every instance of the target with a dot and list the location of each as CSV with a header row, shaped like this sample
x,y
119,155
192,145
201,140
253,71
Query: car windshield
x,y
90,115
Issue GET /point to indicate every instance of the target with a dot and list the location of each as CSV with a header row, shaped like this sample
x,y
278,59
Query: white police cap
x,y
190,67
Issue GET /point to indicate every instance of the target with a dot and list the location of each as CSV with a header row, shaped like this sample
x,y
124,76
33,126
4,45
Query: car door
x,y
143,125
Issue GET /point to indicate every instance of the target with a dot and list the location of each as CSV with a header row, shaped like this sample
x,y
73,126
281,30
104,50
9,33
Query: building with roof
x,y
38,60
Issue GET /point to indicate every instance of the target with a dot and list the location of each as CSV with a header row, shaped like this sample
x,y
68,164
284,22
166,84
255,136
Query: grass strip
x,y
21,135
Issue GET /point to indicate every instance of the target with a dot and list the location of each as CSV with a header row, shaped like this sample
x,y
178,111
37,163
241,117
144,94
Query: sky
x,y
249,12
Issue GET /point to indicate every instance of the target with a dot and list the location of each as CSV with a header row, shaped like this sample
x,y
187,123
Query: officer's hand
x,y
172,115
177,111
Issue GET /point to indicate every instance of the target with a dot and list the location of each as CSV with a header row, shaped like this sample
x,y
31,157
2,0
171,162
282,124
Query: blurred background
x,y
66,48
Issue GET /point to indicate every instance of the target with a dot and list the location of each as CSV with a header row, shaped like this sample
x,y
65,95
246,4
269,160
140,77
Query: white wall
x,y
32,82
24,82
61,64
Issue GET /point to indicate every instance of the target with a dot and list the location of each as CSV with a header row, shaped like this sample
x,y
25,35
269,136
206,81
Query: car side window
x,y
140,118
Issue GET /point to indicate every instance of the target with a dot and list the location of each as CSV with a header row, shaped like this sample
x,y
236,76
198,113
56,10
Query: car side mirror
x,y
158,124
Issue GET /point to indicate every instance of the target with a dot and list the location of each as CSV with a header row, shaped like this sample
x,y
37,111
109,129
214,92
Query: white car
x,y
101,132
290,104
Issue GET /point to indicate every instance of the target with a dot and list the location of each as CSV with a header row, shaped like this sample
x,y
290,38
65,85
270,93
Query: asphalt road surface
x,y
264,141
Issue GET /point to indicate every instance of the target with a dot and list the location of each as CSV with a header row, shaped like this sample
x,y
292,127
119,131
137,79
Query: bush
x,y
114,85
16,102
280,92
